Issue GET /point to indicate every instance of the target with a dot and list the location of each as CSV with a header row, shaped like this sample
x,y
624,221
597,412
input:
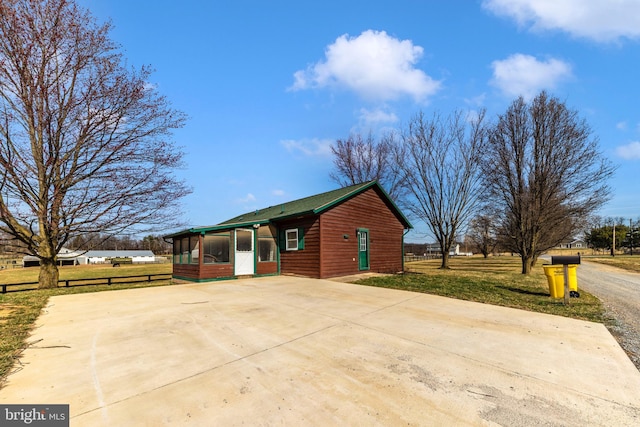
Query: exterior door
x,y
363,249
244,253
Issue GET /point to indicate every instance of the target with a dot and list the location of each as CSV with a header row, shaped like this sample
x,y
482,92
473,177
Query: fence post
x,y
66,283
109,281
4,289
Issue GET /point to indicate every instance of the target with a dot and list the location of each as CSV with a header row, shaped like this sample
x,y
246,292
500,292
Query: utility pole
x,y
613,247
631,237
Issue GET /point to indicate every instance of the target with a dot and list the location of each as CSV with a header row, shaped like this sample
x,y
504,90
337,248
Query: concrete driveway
x,y
293,351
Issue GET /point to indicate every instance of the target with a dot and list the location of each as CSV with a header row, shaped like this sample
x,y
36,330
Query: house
x,y
341,232
70,257
573,244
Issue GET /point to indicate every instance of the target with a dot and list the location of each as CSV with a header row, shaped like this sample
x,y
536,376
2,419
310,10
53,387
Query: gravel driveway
x,y
619,291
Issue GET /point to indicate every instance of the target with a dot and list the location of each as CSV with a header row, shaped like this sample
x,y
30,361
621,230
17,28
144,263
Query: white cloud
x,y
309,147
525,75
374,65
278,193
599,20
630,151
247,199
621,125
371,118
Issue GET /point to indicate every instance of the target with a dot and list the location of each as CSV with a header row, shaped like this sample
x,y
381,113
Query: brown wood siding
x,y
305,262
367,210
267,268
207,271
186,270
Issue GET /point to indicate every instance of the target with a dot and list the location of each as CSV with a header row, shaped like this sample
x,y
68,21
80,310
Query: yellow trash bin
x,y
555,277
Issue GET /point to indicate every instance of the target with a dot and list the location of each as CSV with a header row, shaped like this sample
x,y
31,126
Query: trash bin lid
x,y
565,259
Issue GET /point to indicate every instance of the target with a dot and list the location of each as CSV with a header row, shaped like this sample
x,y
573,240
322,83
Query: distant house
x,y
337,233
70,257
573,244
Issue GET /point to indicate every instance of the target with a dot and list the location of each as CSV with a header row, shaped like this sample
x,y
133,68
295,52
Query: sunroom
x,y
221,252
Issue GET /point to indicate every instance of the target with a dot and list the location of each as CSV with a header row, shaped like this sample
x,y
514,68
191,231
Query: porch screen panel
x,y
216,248
266,244
195,249
184,251
176,251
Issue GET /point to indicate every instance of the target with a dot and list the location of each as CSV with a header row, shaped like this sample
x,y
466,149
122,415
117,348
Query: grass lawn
x,y
495,280
19,310
626,262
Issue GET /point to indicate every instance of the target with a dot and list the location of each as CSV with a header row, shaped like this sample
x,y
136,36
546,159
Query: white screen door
x,y
244,256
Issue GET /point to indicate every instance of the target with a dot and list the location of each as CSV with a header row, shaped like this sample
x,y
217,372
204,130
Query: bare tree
x,y
482,233
441,172
84,140
359,160
545,173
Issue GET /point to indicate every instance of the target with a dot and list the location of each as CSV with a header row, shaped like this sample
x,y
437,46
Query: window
x,y
184,247
195,249
244,240
266,244
176,251
291,237
216,248
363,241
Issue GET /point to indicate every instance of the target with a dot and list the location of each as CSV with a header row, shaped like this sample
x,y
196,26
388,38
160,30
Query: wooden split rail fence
x,y
118,280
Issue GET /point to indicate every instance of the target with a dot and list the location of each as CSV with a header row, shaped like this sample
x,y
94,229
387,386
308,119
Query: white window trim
x,y
286,239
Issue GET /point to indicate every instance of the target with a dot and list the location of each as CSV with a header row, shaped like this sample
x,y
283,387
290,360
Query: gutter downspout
x,y
404,234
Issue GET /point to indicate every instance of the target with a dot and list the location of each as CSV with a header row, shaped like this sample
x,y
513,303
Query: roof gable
x,y
312,204
306,206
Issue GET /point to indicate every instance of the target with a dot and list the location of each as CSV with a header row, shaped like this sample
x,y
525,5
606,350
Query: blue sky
x,y
269,85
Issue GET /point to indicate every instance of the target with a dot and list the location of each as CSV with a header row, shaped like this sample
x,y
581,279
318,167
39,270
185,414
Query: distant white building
x,y
100,257
65,257
69,257
456,251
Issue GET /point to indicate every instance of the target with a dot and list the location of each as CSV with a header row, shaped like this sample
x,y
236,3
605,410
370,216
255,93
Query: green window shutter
x,y
282,240
300,238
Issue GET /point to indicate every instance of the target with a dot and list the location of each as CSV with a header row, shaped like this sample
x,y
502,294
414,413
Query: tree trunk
x,y
445,261
49,274
527,263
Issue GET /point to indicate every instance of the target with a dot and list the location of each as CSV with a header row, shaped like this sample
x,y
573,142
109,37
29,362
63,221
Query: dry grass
x,y
496,280
626,262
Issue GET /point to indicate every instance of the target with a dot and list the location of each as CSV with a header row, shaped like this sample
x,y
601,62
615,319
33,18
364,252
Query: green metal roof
x,y
306,206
